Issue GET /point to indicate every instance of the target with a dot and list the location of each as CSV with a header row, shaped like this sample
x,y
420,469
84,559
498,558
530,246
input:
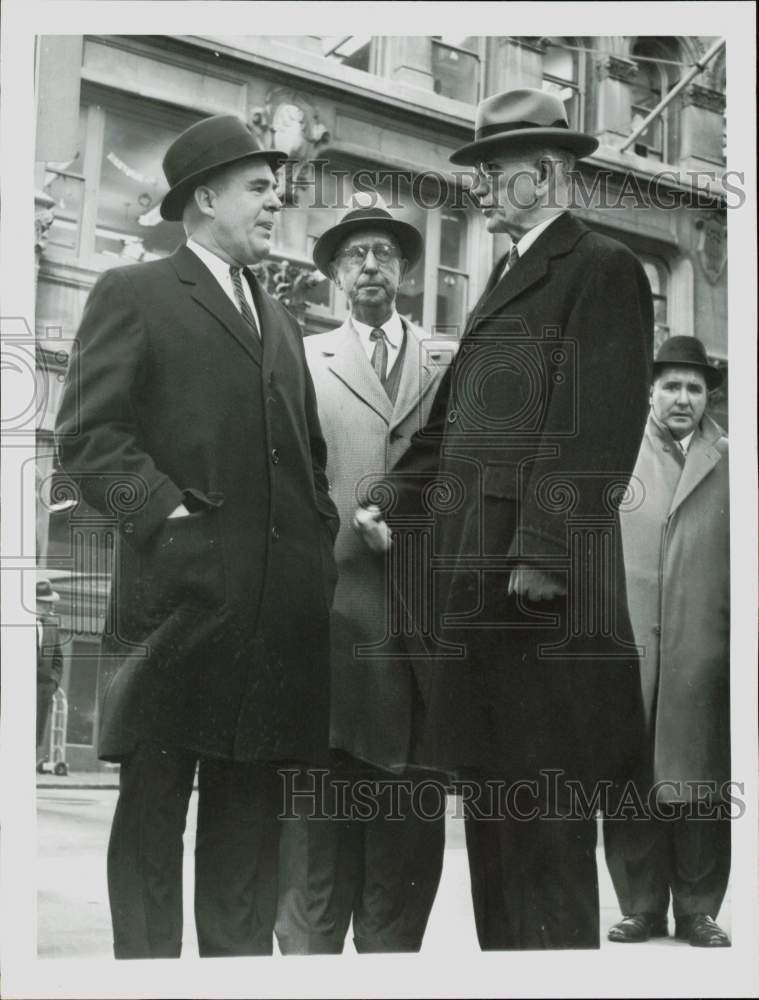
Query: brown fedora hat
x,y
204,147
368,212
517,117
687,352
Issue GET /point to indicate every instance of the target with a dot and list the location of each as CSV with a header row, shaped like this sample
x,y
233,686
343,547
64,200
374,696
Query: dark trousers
x,y
369,858
651,859
236,851
534,880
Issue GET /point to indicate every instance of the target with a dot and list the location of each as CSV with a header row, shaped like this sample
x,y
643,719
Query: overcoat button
x,y
656,629
129,527
275,456
275,533
453,417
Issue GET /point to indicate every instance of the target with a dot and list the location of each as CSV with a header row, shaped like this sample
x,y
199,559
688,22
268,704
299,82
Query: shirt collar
x,y
393,328
218,267
526,241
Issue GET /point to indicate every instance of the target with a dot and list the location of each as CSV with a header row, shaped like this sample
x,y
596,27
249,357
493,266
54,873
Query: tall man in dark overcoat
x,y
189,420
375,378
531,441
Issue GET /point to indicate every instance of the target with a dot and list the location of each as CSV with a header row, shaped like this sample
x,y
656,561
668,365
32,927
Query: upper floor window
x,y
456,67
563,70
657,73
350,50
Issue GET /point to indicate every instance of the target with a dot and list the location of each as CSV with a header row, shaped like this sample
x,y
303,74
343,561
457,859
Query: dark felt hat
x,y
517,117
204,147
368,211
688,352
45,592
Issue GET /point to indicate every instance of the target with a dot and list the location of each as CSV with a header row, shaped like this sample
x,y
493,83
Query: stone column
x,y
613,112
701,129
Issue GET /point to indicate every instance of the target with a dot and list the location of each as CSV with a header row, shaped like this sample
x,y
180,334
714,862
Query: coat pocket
x,y
184,565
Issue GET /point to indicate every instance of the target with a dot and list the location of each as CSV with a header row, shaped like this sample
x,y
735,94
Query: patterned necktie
x,y
379,354
242,302
512,258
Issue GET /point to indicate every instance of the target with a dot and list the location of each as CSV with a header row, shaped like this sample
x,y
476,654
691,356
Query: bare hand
x,y
534,584
180,511
367,522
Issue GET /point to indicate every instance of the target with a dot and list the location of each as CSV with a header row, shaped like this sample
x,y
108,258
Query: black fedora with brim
x,y
687,352
519,118
206,146
370,217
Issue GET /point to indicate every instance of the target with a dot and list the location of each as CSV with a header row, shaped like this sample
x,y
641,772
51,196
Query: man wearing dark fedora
x,y
676,541
535,429
49,658
375,378
189,421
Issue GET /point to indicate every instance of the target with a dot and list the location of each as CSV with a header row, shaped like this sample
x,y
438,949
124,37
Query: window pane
x,y
453,239
455,73
451,301
129,225
67,192
560,62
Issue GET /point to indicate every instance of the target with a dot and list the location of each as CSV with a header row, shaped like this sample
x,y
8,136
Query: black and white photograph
x,y
367,506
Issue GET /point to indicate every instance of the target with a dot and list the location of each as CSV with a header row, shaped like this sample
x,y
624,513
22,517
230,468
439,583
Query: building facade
x,y
354,113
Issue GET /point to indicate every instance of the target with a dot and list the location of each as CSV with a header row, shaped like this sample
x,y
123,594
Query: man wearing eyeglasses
x,y
375,379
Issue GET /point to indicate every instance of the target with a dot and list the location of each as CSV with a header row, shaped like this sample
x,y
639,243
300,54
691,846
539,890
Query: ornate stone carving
x,y
712,245
616,68
703,97
288,121
43,220
288,282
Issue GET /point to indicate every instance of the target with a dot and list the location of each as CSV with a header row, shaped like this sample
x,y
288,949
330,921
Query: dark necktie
x,y
379,354
242,302
512,258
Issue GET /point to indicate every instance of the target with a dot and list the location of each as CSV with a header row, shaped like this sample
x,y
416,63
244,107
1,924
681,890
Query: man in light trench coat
x,y
375,379
676,540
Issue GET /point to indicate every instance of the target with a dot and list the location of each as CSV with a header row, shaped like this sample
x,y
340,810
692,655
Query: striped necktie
x,y
242,302
379,354
512,258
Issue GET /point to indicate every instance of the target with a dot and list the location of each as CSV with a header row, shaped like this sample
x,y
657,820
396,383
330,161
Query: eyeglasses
x,y
383,253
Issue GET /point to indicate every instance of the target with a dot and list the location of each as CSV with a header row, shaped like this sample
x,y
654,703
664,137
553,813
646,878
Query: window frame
x,y
578,85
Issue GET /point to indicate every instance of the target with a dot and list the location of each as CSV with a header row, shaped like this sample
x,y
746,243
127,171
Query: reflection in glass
x,y
132,185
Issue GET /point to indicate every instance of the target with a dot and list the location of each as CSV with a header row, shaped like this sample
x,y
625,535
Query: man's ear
x,y
205,198
334,275
404,269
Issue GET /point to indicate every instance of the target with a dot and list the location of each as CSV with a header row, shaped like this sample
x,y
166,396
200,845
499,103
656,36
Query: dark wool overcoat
x,y
531,441
217,633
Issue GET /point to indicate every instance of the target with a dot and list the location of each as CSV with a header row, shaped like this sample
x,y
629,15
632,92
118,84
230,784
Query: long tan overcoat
x,y
676,544
372,693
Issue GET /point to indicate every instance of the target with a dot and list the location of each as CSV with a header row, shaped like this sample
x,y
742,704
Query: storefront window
x,y
658,278
453,281
64,183
132,184
82,694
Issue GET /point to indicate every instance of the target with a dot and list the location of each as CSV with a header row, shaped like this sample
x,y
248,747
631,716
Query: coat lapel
x,y
555,241
270,322
351,365
416,377
701,458
207,292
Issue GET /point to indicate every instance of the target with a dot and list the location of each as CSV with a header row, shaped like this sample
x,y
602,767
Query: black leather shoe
x,y
701,931
639,927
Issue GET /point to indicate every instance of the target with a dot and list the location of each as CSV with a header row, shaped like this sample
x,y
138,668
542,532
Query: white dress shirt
x,y
220,270
393,328
686,441
526,241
